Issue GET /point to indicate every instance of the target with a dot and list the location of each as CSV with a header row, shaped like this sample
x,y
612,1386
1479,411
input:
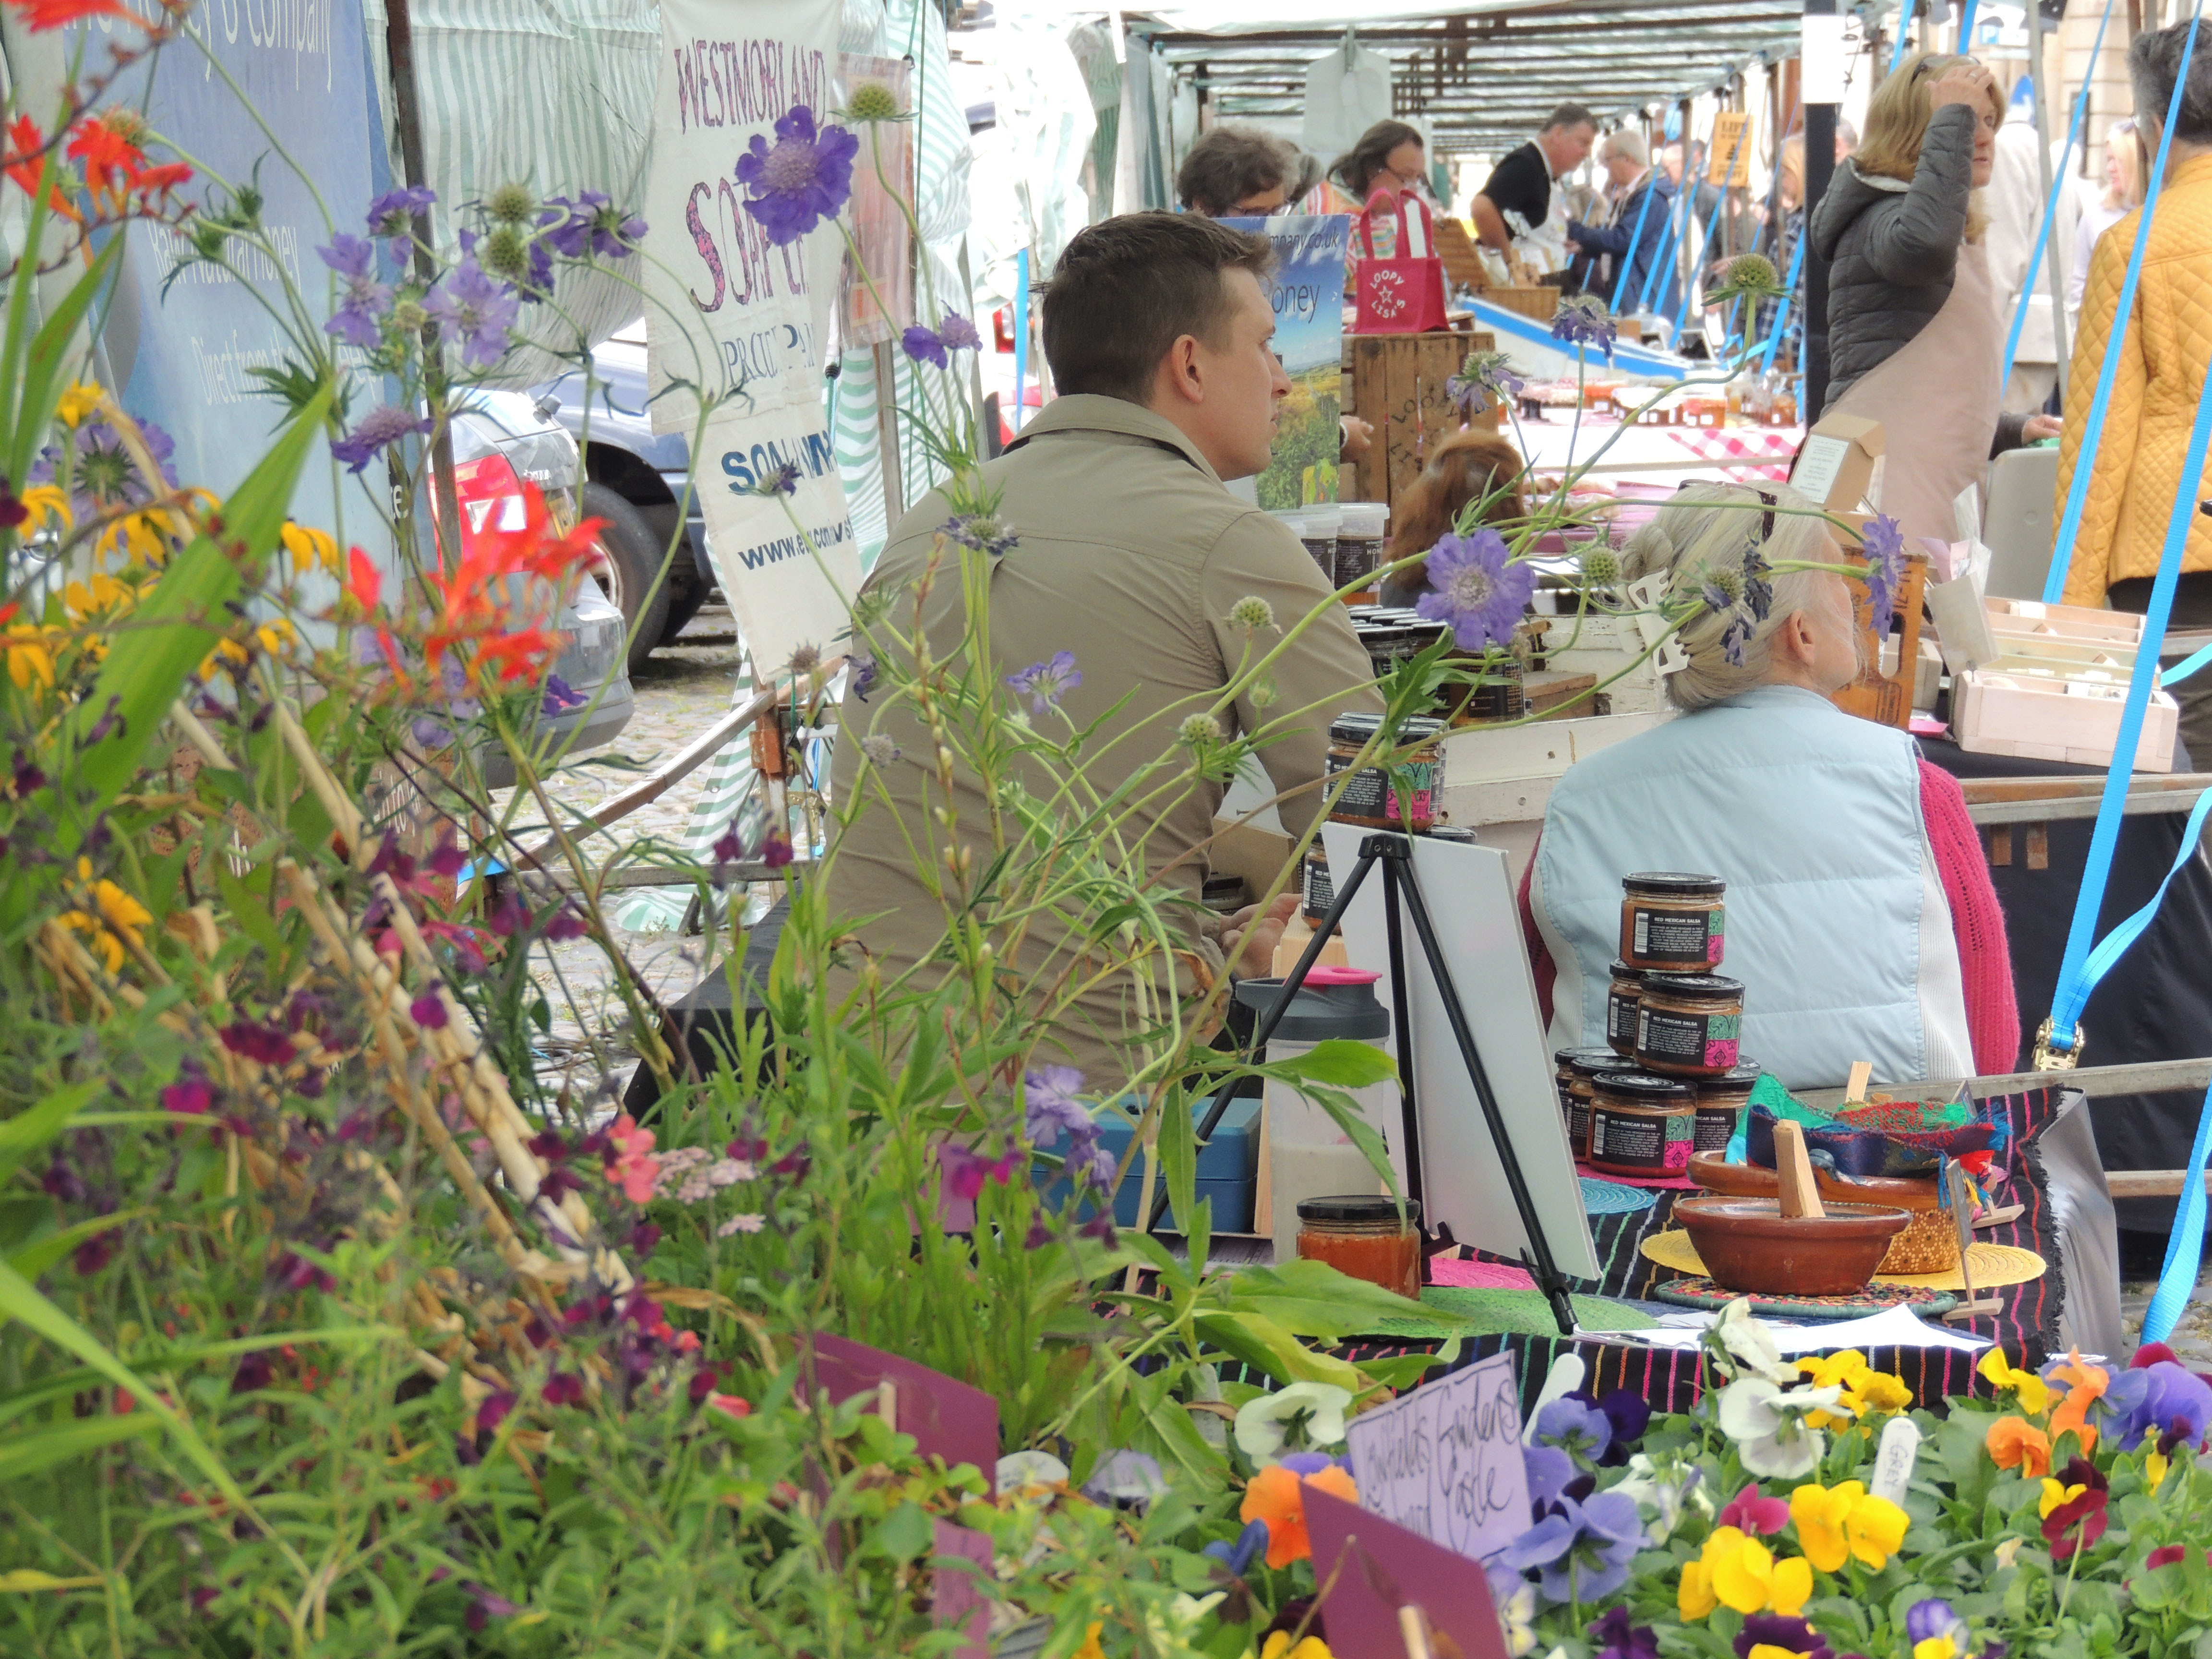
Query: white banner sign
x,y
731,314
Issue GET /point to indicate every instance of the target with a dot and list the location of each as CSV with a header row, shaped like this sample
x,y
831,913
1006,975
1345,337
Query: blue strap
x,y
2080,968
2060,181
1966,30
2085,457
2182,669
2114,944
1903,33
1675,214
1782,312
1021,332
1720,200
1652,177
2184,1245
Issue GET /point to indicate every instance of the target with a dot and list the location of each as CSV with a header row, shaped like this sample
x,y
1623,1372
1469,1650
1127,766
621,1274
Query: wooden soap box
x,y
2049,682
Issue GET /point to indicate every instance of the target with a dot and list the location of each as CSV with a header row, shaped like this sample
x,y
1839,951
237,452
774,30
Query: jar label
x,y
1578,1127
1643,1140
1704,1042
1677,936
1621,1022
1324,552
1716,1128
1357,556
1370,793
1320,891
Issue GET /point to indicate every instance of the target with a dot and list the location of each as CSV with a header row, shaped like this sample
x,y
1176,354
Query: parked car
x,y
636,478
499,442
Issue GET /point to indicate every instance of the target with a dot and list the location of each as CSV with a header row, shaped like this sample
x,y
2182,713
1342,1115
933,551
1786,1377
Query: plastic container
x,y
1359,541
1308,1156
1672,922
1641,1126
1688,1025
1362,1238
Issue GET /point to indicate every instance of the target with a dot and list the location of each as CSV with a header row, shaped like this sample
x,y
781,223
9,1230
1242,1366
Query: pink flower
x,y
631,1163
729,1405
686,1342
965,1170
1748,1512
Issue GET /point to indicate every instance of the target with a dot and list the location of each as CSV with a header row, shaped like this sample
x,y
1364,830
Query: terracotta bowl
x,y
1712,1171
1748,1244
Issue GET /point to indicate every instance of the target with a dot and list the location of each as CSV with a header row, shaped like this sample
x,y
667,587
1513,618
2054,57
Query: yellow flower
x,y
30,651
227,656
98,594
2154,1468
47,504
1865,1389
1740,1572
277,637
1768,1650
1884,1392
1837,1523
311,549
79,401
119,920
1278,1646
1935,1647
2033,1391
2054,1495
1091,1650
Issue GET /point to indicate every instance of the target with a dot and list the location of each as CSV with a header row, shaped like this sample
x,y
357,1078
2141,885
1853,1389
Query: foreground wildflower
x,y
805,179
1314,1409
1475,589
1044,684
2014,1443
1885,572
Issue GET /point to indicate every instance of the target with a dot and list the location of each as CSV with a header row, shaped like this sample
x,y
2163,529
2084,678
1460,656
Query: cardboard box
x,y
1838,465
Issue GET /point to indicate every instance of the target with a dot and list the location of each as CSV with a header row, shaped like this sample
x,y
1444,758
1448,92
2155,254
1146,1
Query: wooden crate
x,y
1886,699
1462,261
2049,717
1398,387
1539,302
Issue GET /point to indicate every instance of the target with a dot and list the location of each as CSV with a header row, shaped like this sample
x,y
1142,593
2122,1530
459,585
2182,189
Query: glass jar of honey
x,y
1360,1235
1575,1068
1641,1126
1621,1003
1720,1101
1688,1025
1672,923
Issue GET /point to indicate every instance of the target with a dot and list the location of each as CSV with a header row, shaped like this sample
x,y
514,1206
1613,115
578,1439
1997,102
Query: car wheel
x,y
687,593
633,555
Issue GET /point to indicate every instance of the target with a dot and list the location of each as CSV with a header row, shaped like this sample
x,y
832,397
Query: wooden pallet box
x,y
2051,717
1398,383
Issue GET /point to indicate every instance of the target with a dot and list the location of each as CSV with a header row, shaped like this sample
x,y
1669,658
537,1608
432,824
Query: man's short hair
x,y
1628,144
1228,165
1129,287
1568,115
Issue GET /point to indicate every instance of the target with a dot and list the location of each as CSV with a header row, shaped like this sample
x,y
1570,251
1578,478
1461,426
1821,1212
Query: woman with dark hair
x,y
1388,159
1471,465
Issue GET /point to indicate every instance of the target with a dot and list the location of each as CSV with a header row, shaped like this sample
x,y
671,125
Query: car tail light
x,y
490,497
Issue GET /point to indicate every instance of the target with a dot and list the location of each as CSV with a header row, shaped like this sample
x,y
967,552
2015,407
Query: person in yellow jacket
x,y
2162,368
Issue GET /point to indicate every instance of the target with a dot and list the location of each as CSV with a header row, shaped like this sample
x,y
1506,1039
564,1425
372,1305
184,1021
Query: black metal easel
x,y
1395,853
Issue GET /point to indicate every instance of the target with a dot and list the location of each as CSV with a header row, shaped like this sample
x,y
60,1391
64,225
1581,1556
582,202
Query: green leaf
x,y
250,912
1338,1062
168,638
25,1132
40,1257
1258,1341
42,368
42,1448
903,1534
1179,1161
1314,1299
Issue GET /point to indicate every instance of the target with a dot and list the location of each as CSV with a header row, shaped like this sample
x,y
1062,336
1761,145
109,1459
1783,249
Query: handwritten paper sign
x,y
946,1418
1445,1460
1380,1568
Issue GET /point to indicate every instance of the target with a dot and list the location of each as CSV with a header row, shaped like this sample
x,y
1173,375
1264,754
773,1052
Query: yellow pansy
x,y
2033,1391
1883,1392
2054,1495
1740,1572
311,549
1837,1523
2155,1469
1865,1389
1278,1646
1935,1647
1768,1650
79,401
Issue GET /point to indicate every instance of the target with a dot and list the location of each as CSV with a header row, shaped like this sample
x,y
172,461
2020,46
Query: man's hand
x,y
1356,436
2038,427
1249,938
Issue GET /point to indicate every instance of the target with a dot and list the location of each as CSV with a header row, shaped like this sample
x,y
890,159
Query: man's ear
x,y
1177,379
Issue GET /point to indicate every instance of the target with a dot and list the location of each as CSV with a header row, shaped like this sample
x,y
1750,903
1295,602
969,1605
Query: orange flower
x,y
2085,1385
2014,1443
1277,1496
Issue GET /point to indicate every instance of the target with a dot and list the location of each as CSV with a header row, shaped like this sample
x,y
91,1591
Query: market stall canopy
x,y
1481,73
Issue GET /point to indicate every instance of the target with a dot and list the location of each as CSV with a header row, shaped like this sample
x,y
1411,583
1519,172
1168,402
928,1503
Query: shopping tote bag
x,y
1405,292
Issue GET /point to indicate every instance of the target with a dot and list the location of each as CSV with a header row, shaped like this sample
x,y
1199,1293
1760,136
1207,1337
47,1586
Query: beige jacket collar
x,y
1088,411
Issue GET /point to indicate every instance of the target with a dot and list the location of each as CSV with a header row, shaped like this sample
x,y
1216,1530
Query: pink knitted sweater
x,y
1977,924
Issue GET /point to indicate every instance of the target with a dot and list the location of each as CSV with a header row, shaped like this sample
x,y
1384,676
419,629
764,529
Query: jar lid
x,y
1358,1207
1321,1009
1354,727
1693,984
1454,832
1742,1081
1642,1085
1415,726
1588,1059
1622,970
1672,884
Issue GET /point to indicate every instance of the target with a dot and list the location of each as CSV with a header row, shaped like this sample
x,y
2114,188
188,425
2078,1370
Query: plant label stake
x,y
1893,1460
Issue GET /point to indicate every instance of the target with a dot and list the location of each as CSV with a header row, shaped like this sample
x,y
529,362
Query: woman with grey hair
x,y
1861,917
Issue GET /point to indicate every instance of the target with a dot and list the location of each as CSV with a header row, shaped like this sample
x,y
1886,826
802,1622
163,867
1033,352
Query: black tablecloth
x,y
2156,1003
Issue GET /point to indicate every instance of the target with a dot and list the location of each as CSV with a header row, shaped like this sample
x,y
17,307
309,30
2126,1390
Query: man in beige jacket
x,y
1128,554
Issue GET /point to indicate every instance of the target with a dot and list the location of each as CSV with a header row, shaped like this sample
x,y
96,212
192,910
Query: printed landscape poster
x,y
1308,298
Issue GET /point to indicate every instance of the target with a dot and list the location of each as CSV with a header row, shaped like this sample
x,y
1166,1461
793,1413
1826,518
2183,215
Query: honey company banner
x,y
731,315
1306,291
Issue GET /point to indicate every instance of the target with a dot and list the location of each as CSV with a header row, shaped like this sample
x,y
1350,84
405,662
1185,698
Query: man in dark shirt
x,y
1520,184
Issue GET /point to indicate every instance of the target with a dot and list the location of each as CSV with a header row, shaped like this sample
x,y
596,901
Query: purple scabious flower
x,y
375,432
1045,682
805,179
1885,551
924,346
477,309
1580,1550
1584,321
393,214
784,481
1475,588
363,299
981,532
1485,375
955,333
591,222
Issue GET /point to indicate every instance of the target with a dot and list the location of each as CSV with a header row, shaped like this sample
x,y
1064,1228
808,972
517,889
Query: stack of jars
x,y
1676,1083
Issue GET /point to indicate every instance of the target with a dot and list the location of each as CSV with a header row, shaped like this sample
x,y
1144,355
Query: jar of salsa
x,y
1620,1004
1720,1101
1371,799
1360,1235
1689,1024
1640,1125
1575,1069
1320,892
1672,923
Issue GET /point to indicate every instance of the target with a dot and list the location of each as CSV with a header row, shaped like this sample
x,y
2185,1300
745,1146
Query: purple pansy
x,y
1044,684
1250,1545
375,432
1619,1636
1475,589
805,179
477,309
1576,1427
1581,1551
362,299
1774,1630
2174,1404
393,214
1549,1470
923,345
